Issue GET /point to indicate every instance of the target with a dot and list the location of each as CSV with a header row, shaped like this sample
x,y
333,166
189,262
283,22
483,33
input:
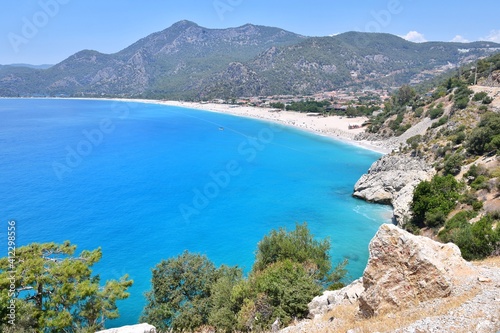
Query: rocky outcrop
x,y
330,298
140,328
391,180
404,270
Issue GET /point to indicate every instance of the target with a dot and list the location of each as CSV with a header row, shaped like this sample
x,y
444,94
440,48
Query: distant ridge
x,y
187,61
43,66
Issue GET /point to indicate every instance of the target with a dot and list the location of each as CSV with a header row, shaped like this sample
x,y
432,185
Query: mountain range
x,y
186,61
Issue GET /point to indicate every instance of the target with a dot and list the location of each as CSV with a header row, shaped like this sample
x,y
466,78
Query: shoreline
x,y
333,127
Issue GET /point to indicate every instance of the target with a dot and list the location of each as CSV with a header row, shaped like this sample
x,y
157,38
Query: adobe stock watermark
x,y
31,25
380,19
221,179
223,6
91,139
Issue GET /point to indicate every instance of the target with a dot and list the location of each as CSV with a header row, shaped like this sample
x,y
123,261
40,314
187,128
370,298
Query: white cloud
x,y
494,36
460,39
415,36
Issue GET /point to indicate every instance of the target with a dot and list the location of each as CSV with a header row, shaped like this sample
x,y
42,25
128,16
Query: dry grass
x,y
345,316
490,262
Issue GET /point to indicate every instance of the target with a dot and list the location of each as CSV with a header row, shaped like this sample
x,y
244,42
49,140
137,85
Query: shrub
x,y
487,100
479,96
480,183
436,113
419,111
476,241
459,137
477,205
440,122
485,137
297,245
282,290
453,164
433,200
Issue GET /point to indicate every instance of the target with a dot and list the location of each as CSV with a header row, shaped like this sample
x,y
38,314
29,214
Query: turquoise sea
x,y
145,182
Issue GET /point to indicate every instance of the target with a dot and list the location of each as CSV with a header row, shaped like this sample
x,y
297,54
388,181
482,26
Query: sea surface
x,y
145,182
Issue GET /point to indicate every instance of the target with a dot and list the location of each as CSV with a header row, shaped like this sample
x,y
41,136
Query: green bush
x,y
477,205
440,122
436,113
485,137
453,164
480,183
459,137
478,240
282,290
297,245
479,96
434,199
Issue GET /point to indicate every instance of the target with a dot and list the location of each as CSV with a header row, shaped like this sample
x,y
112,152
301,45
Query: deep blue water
x,y
145,182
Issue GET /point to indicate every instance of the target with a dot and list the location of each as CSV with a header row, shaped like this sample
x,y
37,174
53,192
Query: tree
x,y
282,290
404,95
485,136
180,298
453,164
223,306
57,292
434,200
298,246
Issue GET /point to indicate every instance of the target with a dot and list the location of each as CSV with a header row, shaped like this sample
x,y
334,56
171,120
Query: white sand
x,y
333,126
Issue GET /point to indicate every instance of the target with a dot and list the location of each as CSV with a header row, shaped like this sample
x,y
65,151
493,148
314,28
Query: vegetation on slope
x,y
291,267
460,203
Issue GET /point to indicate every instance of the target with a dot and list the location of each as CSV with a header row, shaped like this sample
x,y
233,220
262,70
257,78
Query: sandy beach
x,y
335,127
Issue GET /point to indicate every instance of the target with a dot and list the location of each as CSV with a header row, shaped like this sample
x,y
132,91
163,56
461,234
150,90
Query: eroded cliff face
x,y
391,180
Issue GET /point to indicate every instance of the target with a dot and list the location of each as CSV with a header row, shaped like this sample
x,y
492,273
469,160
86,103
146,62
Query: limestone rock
x,y
391,180
140,328
404,270
323,303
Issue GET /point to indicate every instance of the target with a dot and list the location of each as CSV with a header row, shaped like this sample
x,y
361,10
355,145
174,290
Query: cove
x,y
145,182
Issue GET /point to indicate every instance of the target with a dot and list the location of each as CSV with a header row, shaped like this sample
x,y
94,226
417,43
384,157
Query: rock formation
x,y
330,298
404,270
391,180
140,328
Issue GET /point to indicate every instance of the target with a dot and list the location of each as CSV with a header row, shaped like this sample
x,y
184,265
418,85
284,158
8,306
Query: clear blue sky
x,y
48,31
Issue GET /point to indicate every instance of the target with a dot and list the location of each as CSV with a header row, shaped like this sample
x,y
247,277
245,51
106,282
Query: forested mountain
x,y
186,61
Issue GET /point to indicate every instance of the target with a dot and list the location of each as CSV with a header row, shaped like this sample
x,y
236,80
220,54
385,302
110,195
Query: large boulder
x,y
330,298
391,180
404,269
140,328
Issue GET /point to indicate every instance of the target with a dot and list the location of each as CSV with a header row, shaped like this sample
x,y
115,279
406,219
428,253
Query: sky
x,y
49,31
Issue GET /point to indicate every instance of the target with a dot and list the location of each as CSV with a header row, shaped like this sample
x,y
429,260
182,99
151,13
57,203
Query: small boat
x,y
221,128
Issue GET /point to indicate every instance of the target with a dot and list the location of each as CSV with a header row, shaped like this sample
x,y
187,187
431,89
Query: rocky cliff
x,y
391,180
411,284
